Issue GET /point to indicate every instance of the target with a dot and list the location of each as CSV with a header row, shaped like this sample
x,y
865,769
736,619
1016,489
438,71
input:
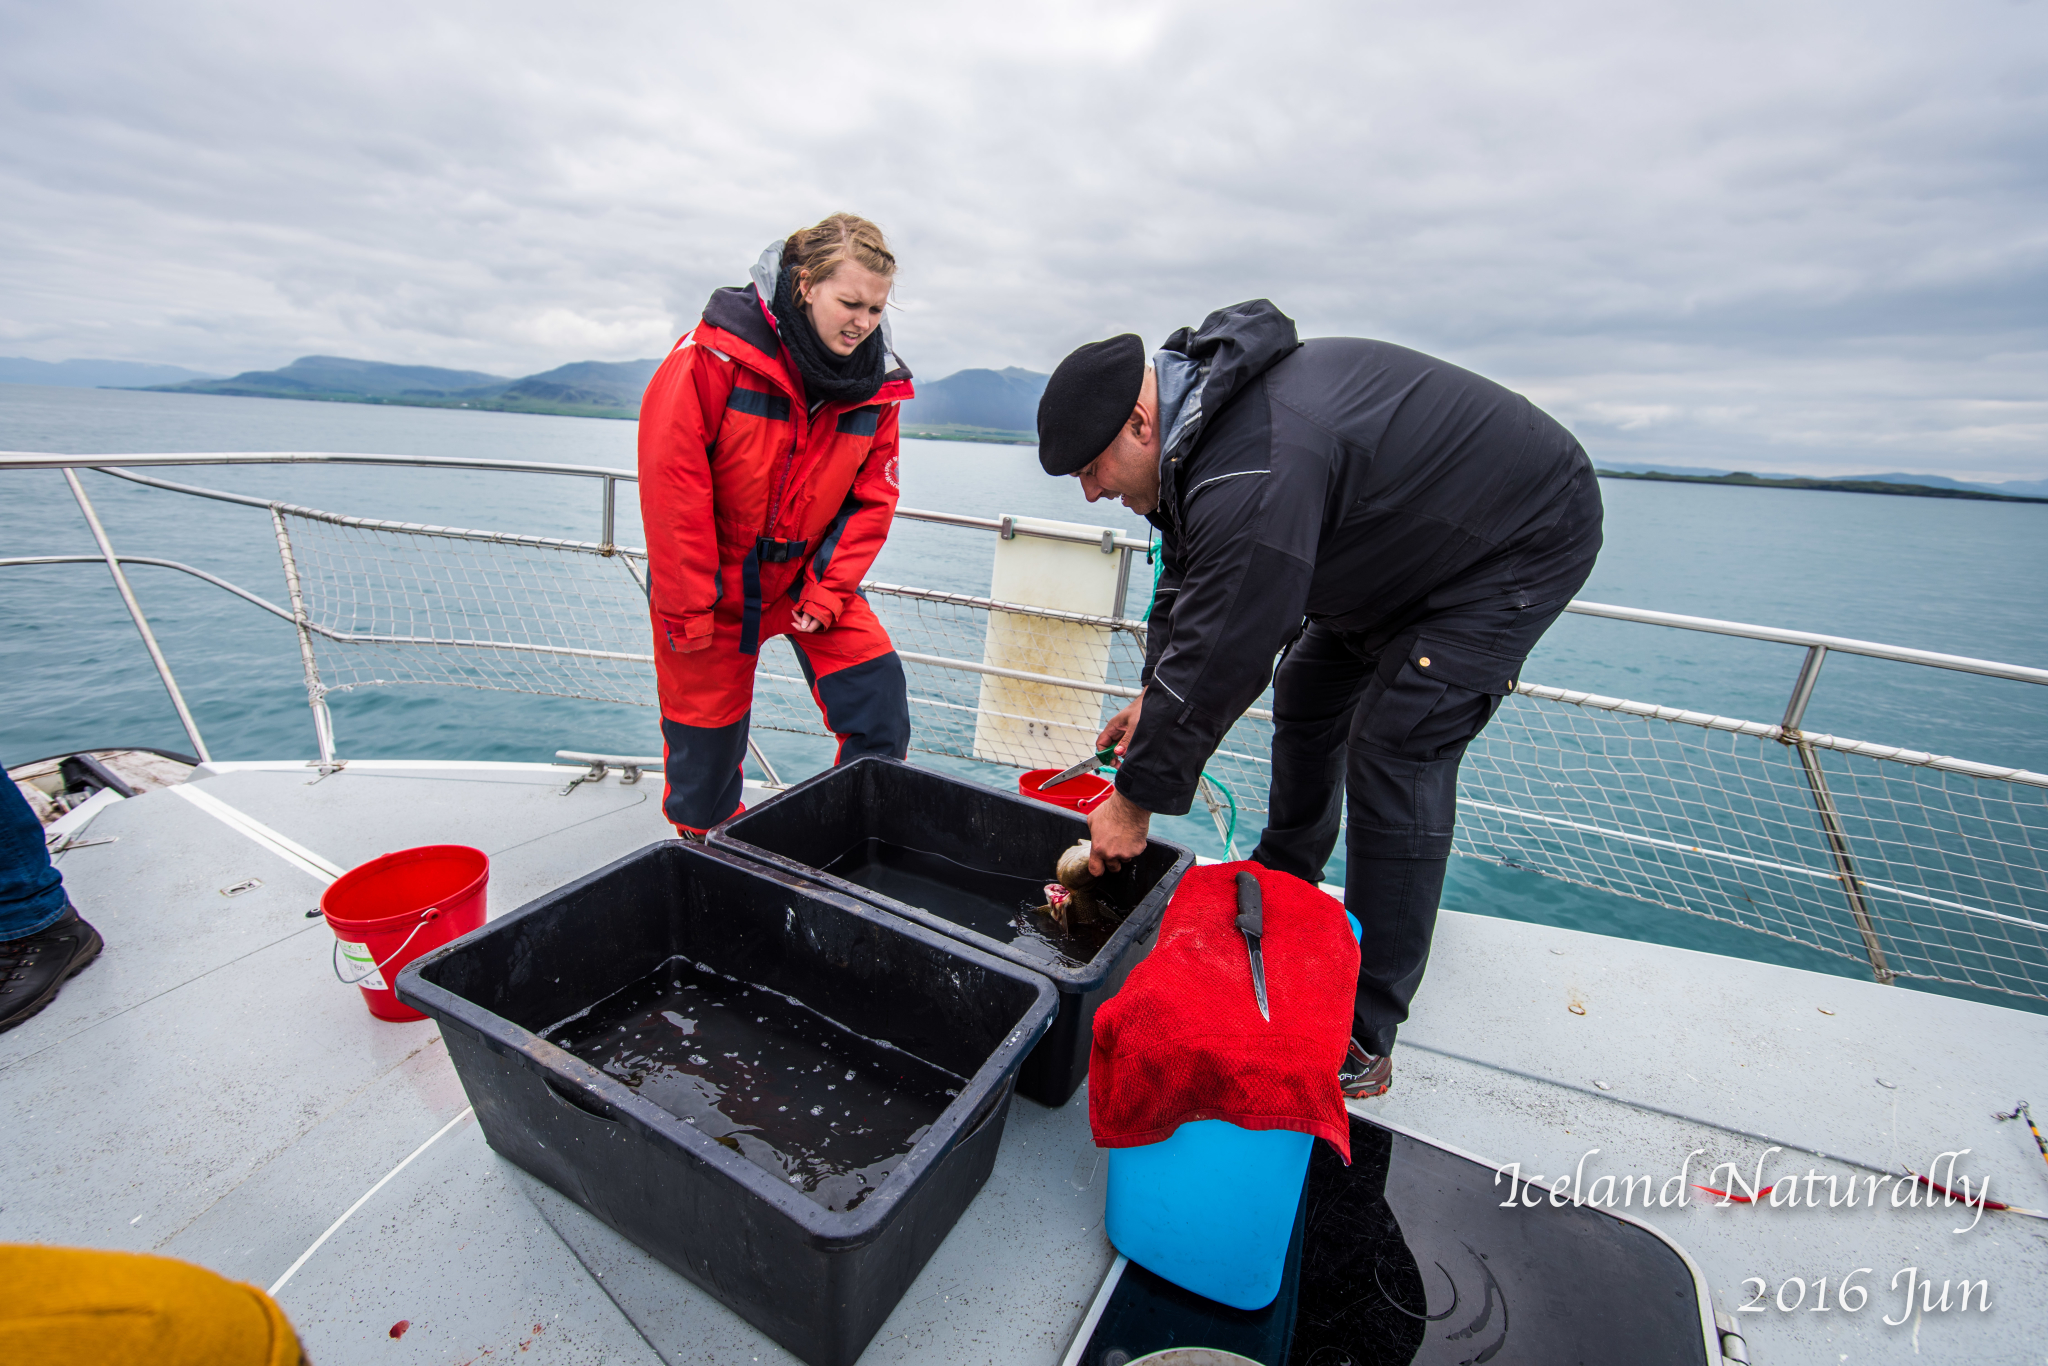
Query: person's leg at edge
x,y
857,680
43,942
31,888
1315,692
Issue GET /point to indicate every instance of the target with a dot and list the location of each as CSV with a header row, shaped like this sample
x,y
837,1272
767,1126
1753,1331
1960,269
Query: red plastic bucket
x,y
1082,794
392,909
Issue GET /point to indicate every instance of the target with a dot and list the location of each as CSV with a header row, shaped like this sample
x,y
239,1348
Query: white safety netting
x,y
391,602
1936,870
1720,818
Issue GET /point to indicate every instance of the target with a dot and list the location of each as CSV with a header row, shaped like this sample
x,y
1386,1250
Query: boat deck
x,y
208,1091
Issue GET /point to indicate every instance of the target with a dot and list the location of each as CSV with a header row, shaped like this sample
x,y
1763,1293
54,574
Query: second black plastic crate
x,y
818,1280
817,822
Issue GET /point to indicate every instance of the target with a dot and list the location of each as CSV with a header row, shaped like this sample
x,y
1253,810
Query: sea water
x,y
799,1095
1948,575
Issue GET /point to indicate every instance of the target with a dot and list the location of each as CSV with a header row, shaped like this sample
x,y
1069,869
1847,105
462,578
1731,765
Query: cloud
x,y
1747,235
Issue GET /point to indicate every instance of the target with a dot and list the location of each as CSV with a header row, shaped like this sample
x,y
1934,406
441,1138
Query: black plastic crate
x,y
818,1281
816,822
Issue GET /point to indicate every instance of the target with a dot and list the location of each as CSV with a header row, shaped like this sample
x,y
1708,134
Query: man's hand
x,y
1117,831
1121,728
809,625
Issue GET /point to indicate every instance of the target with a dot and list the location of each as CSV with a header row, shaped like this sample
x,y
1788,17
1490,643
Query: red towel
x,y
1184,1041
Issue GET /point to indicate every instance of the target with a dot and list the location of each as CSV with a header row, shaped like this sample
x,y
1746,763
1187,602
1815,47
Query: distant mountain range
x,y
92,374
973,405
978,405
589,388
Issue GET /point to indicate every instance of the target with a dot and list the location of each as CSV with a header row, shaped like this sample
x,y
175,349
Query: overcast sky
x,y
1770,236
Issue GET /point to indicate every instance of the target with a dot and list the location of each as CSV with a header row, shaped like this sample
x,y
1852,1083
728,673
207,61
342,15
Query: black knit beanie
x,y
1088,400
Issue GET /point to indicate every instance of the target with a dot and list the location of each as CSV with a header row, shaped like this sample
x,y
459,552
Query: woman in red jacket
x,y
767,484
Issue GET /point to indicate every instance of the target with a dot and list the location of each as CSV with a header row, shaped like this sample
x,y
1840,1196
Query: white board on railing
x,y
1038,725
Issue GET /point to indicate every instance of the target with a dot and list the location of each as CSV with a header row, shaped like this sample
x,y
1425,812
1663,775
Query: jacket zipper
x,y
789,460
782,481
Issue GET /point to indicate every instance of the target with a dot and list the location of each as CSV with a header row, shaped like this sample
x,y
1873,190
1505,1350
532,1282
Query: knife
x,y
1251,924
1087,765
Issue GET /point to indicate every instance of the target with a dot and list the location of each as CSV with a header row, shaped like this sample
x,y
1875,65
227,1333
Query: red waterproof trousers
x,y
759,505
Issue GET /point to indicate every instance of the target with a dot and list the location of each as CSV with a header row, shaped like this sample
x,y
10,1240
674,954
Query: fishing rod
x,y
1973,1201
2020,1111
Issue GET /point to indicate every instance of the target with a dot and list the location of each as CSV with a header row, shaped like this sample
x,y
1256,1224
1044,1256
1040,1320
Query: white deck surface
x,y
208,1091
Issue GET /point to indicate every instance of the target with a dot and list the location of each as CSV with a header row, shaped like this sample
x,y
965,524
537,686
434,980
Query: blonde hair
x,y
815,253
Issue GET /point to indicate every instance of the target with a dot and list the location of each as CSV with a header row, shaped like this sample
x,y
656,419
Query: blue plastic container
x,y
1211,1208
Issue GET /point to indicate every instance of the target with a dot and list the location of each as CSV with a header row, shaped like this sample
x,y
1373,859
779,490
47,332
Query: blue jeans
x,y
31,888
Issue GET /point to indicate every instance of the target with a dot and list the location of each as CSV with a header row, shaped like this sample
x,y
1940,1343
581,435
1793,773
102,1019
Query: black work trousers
x,y
1379,719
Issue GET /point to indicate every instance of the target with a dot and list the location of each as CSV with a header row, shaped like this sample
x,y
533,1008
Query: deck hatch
x,y
1407,1257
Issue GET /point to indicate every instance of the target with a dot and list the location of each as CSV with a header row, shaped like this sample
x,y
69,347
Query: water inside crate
x,y
1002,906
825,1109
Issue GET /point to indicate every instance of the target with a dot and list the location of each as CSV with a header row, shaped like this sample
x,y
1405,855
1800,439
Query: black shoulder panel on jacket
x,y
737,309
774,407
859,421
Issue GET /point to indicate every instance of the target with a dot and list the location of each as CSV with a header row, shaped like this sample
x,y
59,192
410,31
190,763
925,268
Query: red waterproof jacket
x,y
745,492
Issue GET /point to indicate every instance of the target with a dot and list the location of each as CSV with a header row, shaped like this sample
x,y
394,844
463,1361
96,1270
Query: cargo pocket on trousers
x,y
681,633
1440,697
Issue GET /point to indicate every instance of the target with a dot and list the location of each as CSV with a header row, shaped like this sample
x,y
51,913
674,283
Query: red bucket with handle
x,y
392,909
1082,794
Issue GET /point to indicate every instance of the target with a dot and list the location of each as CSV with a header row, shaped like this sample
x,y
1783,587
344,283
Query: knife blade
x,y
1087,765
1251,923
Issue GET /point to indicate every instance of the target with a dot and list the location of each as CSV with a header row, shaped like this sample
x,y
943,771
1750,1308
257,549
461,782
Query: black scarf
x,y
828,376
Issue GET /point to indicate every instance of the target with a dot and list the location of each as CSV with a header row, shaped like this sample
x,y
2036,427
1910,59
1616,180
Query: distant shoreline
x,y
1742,480
986,436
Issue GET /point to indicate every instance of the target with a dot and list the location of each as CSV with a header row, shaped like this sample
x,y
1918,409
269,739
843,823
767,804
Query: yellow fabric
x,y
73,1307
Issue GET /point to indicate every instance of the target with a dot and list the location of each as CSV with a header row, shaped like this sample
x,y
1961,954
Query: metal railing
x,y
123,465
1845,867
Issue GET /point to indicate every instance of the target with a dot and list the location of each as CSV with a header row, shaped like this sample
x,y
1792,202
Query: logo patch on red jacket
x,y
889,472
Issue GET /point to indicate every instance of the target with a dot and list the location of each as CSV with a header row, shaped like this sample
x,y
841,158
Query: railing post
x,y
163,667
1802,689
1845,866
1123,582
1830,816
316,694
611,503
761,758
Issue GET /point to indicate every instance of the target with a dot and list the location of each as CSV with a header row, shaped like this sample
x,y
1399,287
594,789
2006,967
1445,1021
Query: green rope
x,y
1230,831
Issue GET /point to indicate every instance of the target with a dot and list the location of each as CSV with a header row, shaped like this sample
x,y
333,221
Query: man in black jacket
x,y
1402,529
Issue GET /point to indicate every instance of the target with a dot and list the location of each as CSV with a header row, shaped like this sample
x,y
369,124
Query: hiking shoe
x,y
34,967
1364,1075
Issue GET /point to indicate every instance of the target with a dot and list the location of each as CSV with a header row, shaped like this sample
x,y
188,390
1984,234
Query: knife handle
x,y
1250,905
